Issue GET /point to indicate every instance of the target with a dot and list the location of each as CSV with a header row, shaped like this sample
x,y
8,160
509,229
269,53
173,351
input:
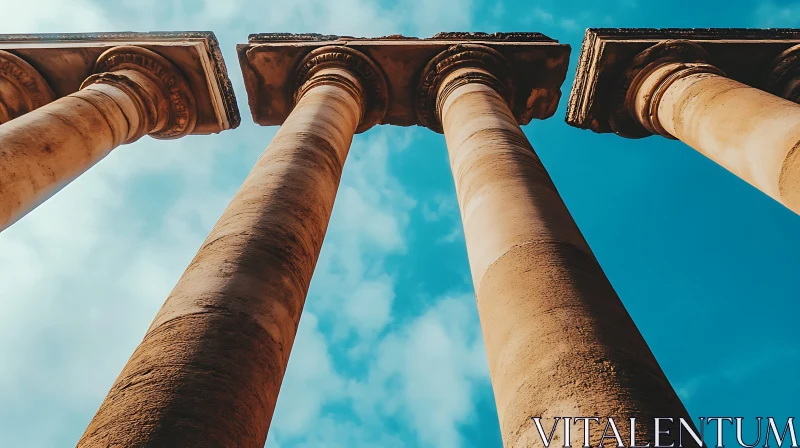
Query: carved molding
x,y
458,36
624,118
173,112
22,87
372,91
783,76
515,37
495,72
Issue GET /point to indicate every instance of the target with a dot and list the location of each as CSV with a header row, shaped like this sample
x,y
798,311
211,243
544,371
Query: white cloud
x,y
368,224
770,14
427,372
310,382
368,307
52,16
733,371
544,17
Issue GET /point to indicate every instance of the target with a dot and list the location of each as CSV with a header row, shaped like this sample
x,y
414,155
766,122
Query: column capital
x,y
783,76
610,58
182,58
456,66
367,84
165,102
635,100
22,87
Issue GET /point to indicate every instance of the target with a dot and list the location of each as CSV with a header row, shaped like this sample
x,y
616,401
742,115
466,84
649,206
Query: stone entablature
x,y
270,64
65,61
757,57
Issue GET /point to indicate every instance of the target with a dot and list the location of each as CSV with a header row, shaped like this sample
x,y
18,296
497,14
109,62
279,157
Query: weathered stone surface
x,y
211,365
558,339
66,60
269,63
744,55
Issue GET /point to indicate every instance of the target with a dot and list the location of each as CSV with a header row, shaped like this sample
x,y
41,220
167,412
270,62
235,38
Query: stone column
x,y
558,340
133,92
673,91
208,371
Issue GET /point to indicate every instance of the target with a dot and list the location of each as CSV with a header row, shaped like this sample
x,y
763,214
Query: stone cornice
x,y
268,61
746,55
65,60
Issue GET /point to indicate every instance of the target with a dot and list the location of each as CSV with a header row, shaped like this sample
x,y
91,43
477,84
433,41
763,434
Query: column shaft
x,y
752,133
134,92
47,148
210,367
558,339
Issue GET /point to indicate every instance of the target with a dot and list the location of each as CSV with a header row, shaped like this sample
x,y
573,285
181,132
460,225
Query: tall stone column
x,y
674,92
558,340
133,92
208,371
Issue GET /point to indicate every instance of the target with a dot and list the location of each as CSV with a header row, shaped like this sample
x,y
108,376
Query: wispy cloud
x,y
771,14
733,371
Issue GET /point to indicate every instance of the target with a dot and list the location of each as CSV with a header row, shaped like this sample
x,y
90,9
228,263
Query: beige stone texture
x,y
558,339
210,367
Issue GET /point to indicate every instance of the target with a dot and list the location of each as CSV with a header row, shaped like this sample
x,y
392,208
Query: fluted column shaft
x,y
752,133
558,340
46,148
208,371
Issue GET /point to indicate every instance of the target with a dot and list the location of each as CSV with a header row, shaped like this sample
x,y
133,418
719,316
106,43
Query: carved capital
x,y
164,99
634,105
783,76
368,85
488,66
22,88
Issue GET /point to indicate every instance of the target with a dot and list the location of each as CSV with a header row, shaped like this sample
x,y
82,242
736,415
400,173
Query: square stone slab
x,y
743,54
66,60
269,61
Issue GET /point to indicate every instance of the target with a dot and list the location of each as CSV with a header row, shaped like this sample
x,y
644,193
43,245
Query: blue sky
x,y
389,351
